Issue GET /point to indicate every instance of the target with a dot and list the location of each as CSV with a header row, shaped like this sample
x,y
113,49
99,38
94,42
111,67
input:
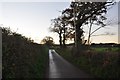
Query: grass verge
x,y
100,64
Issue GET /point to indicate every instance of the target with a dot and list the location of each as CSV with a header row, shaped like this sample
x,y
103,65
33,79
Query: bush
x,y
100,64
21,58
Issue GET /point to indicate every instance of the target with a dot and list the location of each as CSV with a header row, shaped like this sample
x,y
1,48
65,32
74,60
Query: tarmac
x,y
60,68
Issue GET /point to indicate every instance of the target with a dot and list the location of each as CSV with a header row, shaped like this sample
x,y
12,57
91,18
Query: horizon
x,y
33,19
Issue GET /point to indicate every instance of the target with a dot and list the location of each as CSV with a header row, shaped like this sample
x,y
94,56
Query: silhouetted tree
x,y
64,28
95,20
58,28
48,41
80,13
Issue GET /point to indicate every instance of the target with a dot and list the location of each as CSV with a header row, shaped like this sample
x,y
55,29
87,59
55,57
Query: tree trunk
x,y
90,32
78,40
64,36
60,37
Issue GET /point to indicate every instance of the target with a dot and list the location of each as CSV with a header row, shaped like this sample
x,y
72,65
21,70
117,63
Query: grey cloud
x,y
106,33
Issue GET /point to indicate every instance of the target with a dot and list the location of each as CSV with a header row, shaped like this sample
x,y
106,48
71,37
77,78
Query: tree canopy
x,y
48,41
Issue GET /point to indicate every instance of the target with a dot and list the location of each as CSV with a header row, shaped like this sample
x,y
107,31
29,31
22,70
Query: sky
x,y
33,19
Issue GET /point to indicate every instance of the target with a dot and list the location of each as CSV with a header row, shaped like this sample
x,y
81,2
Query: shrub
x,y
21,57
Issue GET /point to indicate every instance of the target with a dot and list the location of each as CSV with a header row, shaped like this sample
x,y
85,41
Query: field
x,y
104,49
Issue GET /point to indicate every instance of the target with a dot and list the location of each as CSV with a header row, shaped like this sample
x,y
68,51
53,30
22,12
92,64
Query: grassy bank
x,y
21,57
102,64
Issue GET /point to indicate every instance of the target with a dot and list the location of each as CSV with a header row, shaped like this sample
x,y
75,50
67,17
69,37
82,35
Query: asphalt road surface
x,y
60,68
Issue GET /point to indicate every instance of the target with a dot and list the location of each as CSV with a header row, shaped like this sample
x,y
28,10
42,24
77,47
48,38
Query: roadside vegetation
x,y
98,61
21,57
102,61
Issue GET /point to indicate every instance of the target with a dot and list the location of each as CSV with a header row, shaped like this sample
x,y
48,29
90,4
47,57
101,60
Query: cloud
x,y
105,34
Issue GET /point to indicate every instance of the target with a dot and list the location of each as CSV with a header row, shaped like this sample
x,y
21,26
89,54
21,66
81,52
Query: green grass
x,y
98,63
104,49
